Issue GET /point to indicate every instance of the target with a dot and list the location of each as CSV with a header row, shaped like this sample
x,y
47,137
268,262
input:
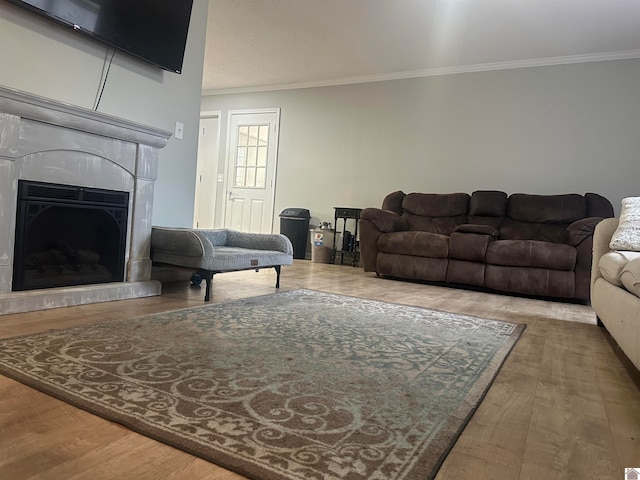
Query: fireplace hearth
x,y
68,235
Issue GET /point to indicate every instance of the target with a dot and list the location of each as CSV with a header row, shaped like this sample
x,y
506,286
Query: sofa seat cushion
x,y
415,268
511,229
630,276
532,253
419,244
237,258
611,265
543,282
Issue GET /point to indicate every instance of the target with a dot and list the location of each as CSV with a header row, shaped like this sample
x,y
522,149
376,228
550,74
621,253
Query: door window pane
x,y
242,156
260,177
251,177
263,136
253,134
251,156
262,157
240,177
243,135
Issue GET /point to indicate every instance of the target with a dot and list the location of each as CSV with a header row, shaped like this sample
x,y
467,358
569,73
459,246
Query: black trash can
x,y
294,224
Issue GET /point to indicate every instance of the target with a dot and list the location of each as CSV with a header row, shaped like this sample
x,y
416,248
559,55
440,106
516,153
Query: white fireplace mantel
x,y
45,140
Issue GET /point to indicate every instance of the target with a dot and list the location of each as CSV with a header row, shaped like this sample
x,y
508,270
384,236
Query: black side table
x,y
349,245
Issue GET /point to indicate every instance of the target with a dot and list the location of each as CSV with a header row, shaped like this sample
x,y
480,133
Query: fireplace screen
x,y
68,235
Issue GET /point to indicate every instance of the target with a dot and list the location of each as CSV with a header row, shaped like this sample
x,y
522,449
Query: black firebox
x,y
68,235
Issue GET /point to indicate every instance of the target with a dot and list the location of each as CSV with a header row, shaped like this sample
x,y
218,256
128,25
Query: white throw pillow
x,y
627,235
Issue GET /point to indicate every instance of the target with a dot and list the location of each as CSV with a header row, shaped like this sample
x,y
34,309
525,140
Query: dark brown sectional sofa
x,y
537,245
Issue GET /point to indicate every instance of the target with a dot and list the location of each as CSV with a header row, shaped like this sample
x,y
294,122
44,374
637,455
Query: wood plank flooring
x,y
566,403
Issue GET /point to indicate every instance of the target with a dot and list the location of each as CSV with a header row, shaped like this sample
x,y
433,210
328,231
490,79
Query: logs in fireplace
x,y
68,235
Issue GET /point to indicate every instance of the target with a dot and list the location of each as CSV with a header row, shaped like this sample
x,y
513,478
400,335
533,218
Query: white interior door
x,y
206,174
251,169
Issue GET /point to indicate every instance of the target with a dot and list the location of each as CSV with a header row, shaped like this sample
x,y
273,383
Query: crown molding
x,y
433,72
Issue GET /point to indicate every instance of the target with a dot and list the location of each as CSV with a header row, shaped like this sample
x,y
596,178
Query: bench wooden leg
x,y
277,268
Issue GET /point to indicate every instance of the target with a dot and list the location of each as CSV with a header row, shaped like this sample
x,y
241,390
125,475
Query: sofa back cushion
x,y
393,202
488,207
488,203
542,217
435,212
598,206
562,209
217,237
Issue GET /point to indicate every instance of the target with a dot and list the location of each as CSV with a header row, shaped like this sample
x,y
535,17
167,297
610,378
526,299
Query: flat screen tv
x,y
152,30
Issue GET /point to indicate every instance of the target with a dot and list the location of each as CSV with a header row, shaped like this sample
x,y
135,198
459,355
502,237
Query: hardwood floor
x,y
566,403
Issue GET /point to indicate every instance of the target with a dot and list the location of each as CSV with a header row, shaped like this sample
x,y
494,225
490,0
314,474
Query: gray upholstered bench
x,y
215,251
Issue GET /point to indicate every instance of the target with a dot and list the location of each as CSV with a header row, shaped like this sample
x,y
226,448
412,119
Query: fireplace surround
x,y
44,142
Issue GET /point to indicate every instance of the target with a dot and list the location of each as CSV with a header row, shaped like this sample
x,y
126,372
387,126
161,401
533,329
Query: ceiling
x,y
272,44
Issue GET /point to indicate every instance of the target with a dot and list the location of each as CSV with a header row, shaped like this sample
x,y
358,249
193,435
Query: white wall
x,y
45,59
544,130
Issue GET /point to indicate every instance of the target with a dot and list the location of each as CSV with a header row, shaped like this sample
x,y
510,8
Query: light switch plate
x,y
179,130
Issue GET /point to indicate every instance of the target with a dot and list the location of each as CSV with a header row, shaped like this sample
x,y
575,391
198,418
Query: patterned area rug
x,y
293,385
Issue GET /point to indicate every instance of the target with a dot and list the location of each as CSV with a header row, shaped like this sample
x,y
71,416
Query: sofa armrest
x,y
601,239
177,241
374,222
581,229
183,247
477,229
384,220
275,242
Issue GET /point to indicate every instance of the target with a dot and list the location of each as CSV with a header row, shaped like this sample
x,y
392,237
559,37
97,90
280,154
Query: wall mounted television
x,y
152,30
